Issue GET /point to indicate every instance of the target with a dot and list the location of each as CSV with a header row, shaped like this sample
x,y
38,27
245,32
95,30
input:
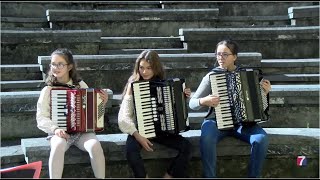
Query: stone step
x,y
37,9
138,51
302,142
15,72
293,78
136,22
239,8
23,23
271,42
253,21
24,46
114,43
292,63
297,104
23,85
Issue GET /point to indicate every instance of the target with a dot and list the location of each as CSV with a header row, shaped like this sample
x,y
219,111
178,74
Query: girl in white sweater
x,y
149,67
63,71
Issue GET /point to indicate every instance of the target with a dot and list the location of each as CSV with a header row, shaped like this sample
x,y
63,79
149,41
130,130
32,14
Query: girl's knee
x,y
58,143
209,131
262,140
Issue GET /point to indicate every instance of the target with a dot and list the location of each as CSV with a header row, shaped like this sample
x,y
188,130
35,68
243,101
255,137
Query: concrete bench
x,y
24,46
285,145
100,70
304,15
127,22
272,42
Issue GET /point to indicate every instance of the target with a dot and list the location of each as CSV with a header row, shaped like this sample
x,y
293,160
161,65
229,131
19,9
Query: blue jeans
x,y
178,168
211,135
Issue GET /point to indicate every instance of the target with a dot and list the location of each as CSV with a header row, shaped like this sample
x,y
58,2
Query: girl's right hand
x,y
61,133
145,143
210,101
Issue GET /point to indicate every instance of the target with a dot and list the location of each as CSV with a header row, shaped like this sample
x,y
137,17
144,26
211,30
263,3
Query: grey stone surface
x,y
155,22
24,46
100,70
285,145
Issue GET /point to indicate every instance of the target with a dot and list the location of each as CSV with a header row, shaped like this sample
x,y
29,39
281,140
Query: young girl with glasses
x,y
226,53
63,71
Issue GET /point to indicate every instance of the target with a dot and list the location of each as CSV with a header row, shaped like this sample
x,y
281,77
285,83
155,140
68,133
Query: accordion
x,y
160,107
242,99
77,110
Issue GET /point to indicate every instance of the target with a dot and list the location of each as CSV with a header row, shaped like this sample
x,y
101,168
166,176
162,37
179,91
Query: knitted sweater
x,y
126,117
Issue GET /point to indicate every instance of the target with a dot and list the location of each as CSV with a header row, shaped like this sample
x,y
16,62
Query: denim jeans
x,y
211,135
177,168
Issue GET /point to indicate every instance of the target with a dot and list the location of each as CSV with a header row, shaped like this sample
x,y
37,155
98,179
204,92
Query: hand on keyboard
x,y
210,101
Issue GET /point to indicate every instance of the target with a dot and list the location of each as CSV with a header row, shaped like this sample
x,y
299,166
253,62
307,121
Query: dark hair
x,y
151,57
67,55
232,45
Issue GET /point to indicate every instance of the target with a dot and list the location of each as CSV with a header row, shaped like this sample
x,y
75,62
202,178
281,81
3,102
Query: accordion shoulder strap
x,y
64,85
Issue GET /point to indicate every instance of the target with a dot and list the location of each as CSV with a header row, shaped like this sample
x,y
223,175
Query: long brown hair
x,y
151,57
67,55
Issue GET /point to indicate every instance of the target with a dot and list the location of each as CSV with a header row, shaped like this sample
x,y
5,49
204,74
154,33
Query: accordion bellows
x,y
77,110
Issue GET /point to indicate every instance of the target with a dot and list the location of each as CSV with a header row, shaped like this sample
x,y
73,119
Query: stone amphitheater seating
x,y
279,38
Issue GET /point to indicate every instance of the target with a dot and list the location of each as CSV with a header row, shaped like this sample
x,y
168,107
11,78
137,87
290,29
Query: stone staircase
x,y
282,40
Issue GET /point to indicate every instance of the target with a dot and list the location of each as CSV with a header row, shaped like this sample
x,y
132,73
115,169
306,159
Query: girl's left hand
x,y
187,92
104,96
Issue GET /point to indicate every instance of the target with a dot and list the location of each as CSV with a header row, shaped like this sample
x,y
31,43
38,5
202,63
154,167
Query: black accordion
x,y
242,99
160,107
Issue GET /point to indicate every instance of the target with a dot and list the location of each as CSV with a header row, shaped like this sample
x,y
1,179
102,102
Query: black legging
x,y
178,167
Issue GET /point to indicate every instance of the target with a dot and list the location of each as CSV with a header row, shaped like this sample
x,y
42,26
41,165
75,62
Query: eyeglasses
x,y
57,66
223,55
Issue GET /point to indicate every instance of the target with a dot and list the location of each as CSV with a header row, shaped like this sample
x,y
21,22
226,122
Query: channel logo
x,y
301,161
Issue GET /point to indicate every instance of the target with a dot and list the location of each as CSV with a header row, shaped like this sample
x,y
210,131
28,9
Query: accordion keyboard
x,y
59,108
223,109
146,106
